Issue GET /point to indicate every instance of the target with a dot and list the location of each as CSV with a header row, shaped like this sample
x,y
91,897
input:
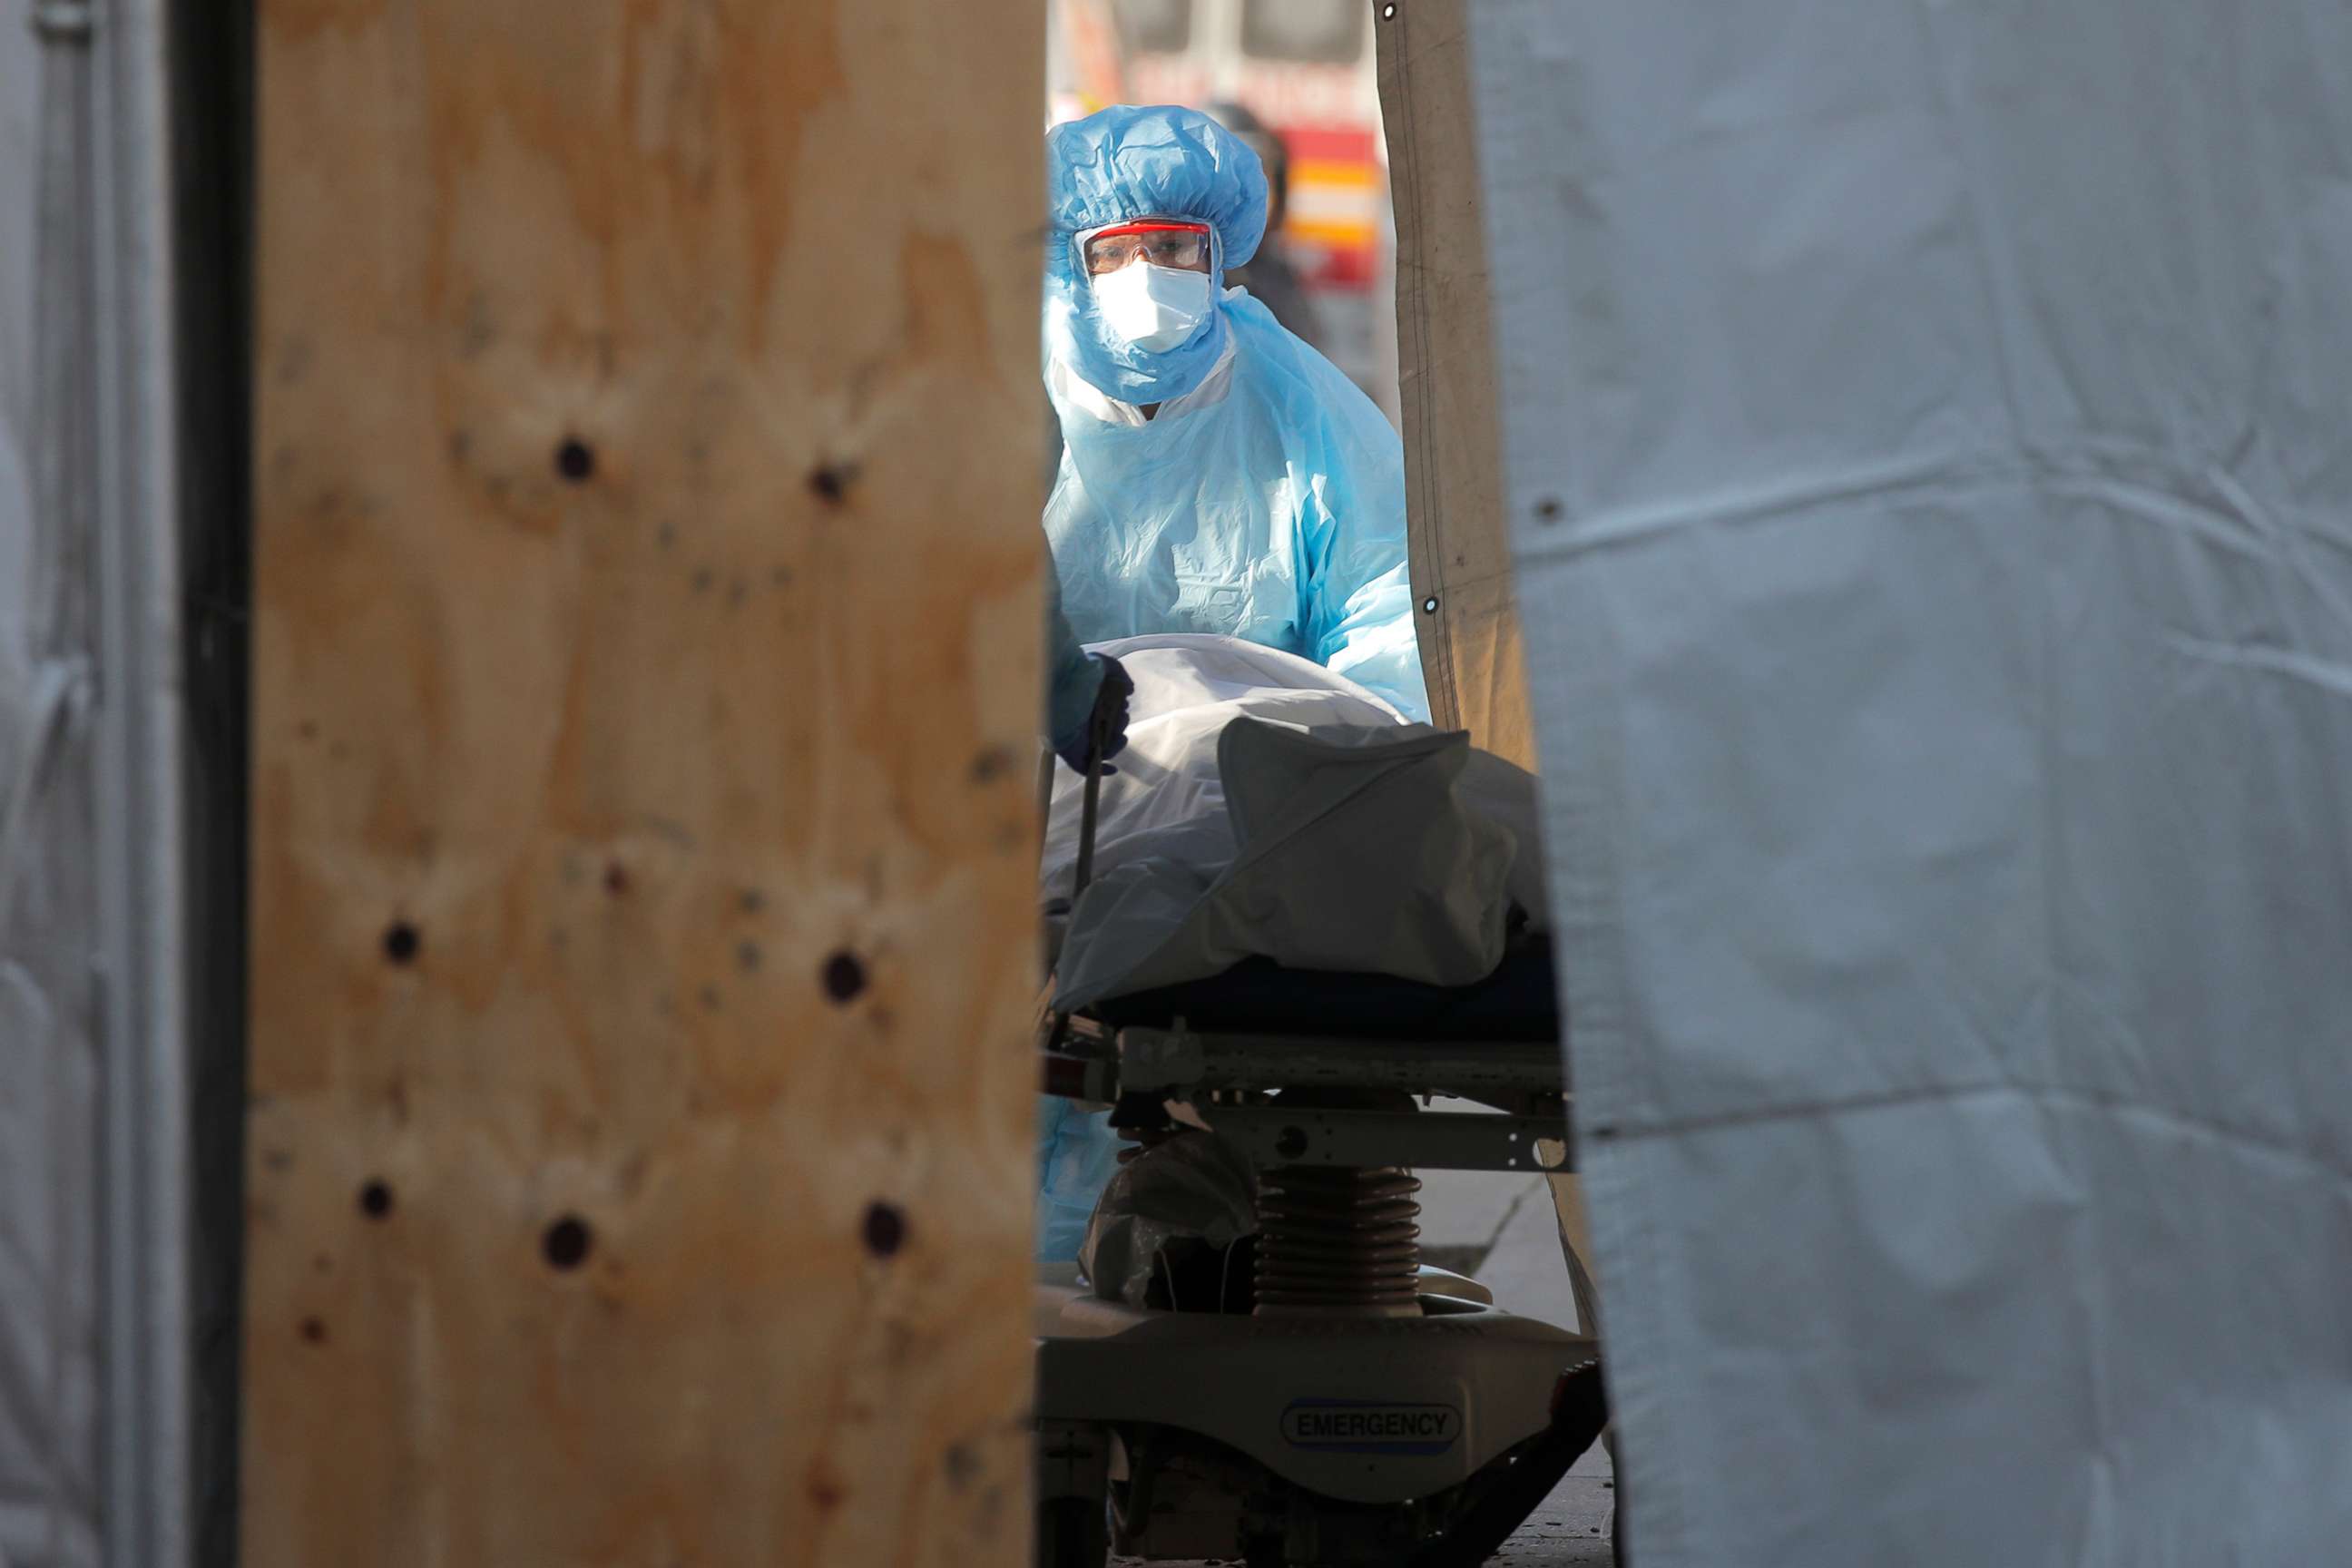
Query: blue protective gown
x,y
1077,1155
1268,504
1265,501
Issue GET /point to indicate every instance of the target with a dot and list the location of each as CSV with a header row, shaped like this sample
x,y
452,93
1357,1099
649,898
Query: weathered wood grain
x,y
645,692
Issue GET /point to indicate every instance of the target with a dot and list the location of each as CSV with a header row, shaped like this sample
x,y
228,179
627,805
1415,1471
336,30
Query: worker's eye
x,y
1178,250
1111,253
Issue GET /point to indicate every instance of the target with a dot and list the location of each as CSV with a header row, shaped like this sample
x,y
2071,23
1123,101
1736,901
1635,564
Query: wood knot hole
x,y
885,1228
844,977
831,481
567,1243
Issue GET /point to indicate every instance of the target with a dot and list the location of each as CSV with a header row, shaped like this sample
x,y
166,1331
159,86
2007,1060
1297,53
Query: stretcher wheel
x,y
1072,1533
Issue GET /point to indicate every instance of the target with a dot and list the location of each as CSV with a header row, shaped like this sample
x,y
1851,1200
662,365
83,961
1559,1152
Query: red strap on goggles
x,y
1149,226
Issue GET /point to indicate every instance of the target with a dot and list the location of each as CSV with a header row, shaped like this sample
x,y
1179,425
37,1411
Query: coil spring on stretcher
x,y
1338,1238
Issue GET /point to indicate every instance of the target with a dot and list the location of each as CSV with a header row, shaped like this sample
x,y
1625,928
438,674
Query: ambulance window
x,y
1315,32
1155,26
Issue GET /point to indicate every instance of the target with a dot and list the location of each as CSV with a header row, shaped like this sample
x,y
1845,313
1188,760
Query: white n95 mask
x,y
1154,308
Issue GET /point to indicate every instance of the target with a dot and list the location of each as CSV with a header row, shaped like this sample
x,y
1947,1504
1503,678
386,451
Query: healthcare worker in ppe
x,y
1217,474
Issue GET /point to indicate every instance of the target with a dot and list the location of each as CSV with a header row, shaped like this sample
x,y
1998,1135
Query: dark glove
x,y
1105,729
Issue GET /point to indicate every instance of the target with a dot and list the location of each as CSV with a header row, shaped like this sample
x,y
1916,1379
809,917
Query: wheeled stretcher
x,y
1328,1400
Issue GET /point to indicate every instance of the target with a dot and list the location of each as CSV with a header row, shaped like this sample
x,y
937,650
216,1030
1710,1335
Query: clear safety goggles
x,y
1177,243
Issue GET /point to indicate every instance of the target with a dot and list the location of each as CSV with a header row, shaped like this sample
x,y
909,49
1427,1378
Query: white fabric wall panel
x,y
1927,440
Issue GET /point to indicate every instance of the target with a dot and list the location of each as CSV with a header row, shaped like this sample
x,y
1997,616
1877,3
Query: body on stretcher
x,y
1270,817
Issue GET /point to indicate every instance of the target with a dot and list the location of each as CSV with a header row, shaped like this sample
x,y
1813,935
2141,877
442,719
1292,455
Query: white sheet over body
x,y
1929,442
1266,807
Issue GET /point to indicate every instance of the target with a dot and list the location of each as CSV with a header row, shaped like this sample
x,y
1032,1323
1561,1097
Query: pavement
x,y
1572,1524
1498,1228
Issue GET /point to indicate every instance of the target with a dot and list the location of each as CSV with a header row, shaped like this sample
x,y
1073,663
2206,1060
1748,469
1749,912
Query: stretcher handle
x,y
1056,1024
1046,760
1089,809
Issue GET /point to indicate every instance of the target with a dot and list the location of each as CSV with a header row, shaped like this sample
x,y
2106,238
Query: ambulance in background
x,y
1306,68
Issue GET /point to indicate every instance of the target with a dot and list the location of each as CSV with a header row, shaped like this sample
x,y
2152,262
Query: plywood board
x,y
646,691
1454,468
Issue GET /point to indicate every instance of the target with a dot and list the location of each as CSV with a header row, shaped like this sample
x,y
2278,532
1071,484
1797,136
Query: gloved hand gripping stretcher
x,y
1297,917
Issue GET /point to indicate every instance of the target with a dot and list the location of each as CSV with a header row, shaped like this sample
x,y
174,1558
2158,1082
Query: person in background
x,y
1269,276
1217,474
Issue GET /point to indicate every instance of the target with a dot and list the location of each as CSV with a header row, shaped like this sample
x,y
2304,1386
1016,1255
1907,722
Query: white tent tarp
x,y
51,1136
94,1196
1928,432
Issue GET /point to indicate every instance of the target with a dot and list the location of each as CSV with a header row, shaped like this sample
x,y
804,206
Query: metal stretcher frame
x,y
1219,1079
